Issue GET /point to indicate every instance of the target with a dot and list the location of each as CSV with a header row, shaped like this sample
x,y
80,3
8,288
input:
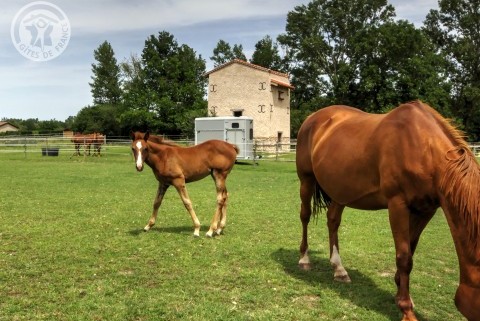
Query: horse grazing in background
x,y
87,140
175,165
410,161
97,140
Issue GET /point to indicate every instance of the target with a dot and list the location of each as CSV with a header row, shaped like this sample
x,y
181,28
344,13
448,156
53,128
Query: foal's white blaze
x,y
139,155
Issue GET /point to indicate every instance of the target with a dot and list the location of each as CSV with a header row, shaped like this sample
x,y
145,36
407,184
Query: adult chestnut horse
x,y
410,161
86,140
176,165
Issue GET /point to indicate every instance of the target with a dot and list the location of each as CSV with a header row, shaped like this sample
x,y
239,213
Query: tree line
x,y
351,52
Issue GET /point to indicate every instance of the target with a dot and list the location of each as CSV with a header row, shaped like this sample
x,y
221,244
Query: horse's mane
x,y
460,183
160,140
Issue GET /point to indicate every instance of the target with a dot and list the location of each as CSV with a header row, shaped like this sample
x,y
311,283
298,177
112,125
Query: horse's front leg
x,y
334,218
399,216
162,189
307,185
182,191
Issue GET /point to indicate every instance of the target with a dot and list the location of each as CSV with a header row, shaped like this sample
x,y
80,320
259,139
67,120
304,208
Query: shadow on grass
x,y
171,230
362,292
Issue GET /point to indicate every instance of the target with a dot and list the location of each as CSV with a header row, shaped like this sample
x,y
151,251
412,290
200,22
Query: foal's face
x,y
140,152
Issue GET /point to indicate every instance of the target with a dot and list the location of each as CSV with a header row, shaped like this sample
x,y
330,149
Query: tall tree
x,y
320,39
224,53
455,29
173,86
105,85
395,63
266,54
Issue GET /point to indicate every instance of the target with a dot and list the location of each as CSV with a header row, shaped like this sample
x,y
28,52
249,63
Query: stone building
x,y
239,88
7,127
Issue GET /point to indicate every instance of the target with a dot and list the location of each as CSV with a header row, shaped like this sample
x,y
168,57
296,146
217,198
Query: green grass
x,y
72,248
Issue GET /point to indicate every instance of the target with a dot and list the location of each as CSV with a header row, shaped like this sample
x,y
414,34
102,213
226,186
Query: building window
x,y
235,125
280,95
238,113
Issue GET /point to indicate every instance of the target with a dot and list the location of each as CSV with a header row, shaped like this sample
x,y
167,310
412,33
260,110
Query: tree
x,y
396,63
321,38
454,29
105,85
170,85
266,54
224,53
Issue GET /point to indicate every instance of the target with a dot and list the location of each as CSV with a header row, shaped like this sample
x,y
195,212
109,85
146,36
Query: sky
x,y
57,86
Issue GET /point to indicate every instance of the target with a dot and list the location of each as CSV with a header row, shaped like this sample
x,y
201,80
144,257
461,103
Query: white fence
x,y
59,145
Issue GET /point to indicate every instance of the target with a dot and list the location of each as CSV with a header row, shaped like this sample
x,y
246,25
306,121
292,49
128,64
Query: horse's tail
x,y
321,201
237,150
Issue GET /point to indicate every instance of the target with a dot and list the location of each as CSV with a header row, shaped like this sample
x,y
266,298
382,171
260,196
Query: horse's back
x,y
215,154
360,159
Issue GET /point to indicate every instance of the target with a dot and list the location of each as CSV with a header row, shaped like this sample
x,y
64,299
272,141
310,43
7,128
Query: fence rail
x,y
48,145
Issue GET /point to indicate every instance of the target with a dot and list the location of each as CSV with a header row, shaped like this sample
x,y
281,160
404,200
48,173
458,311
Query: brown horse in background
x,y
175,165
410,161
87,140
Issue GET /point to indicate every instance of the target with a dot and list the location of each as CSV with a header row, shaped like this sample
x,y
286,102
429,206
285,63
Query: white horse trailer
x,y
235,130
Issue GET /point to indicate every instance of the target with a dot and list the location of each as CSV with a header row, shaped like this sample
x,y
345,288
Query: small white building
x,y
235,130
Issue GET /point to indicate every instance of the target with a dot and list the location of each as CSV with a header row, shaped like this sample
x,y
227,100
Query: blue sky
x,y
58,88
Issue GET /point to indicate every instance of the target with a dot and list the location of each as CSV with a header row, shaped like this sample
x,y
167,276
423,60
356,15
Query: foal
x,y
175,165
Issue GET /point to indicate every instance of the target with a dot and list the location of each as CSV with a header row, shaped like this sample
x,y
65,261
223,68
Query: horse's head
x,y
139,148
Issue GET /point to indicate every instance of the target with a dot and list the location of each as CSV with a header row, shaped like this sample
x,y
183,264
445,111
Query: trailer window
x,y
235,125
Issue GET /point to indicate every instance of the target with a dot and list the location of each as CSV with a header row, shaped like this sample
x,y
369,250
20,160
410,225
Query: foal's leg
x,y
334,218
182,191
220,215
307,185
399,216
162,188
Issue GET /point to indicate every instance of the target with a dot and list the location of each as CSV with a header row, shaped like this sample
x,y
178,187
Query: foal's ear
x,y
132,135
147,134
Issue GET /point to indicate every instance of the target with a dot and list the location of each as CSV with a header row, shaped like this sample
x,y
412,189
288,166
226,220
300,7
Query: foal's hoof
x,y
146,228
342,278
305,266
209,234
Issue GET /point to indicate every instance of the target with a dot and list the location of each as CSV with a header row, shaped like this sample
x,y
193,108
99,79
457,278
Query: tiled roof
x,y
3,123
246,63
281,83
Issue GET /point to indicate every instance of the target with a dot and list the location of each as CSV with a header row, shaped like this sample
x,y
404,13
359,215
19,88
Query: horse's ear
x,y
147,134
132,135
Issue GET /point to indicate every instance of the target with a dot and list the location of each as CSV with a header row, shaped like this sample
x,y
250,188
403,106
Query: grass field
x,y
72,248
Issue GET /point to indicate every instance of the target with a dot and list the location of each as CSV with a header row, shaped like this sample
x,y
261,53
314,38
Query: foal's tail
x,y
321,201
237,150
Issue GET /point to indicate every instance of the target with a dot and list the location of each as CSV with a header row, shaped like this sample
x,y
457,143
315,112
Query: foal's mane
x,y
160,140
460,183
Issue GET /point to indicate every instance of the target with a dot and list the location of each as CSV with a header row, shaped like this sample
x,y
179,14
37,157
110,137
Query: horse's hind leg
x,y
307,186
220,215
162,189
334,218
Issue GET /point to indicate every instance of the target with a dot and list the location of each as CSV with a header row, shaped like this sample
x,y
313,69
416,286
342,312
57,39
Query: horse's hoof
x,y
209,234
305,266
146,228
342,278
219,231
